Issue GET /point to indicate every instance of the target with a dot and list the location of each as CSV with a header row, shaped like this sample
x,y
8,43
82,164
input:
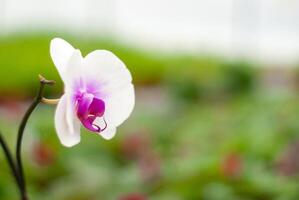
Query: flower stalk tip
x,y
44,81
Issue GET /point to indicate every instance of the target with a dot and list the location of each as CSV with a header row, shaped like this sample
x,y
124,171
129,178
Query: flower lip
x,y
89,108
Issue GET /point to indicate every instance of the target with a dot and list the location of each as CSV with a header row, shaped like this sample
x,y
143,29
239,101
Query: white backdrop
x,y
267,30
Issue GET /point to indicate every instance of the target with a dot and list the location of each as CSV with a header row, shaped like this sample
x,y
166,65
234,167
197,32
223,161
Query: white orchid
x,y
98,92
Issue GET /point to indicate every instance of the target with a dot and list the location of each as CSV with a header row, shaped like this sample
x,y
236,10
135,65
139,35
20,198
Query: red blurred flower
x,y
139,147
288,162
42,154
135,146
11,108
150,167
231,165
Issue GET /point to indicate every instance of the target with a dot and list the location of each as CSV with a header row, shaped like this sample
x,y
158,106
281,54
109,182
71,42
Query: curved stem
x,y
50,101
10,161
28,113
20,137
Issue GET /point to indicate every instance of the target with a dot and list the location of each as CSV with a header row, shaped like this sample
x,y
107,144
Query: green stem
x,y
24,121
10,162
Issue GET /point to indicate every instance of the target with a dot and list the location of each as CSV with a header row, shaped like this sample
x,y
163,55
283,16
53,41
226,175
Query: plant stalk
x,y
22,126
10,161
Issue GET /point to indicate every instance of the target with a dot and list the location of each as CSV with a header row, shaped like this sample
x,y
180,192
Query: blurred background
x,y
217,108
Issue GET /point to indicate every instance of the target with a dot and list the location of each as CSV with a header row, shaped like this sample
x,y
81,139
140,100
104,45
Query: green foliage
x,y
231,150
201,131
23,57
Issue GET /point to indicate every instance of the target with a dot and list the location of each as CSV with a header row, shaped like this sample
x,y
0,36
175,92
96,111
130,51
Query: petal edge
x,y
60,52
66,137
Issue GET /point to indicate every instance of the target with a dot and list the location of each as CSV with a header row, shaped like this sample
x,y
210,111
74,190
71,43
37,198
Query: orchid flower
x,y
98,92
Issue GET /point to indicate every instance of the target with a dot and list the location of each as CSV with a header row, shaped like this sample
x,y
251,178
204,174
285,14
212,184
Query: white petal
x,y
74,69
70,114
115,83
61,52
119,105
105,67
68,134
108,133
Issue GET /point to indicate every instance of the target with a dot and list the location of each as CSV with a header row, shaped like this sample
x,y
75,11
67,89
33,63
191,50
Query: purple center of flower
x,y
89,108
